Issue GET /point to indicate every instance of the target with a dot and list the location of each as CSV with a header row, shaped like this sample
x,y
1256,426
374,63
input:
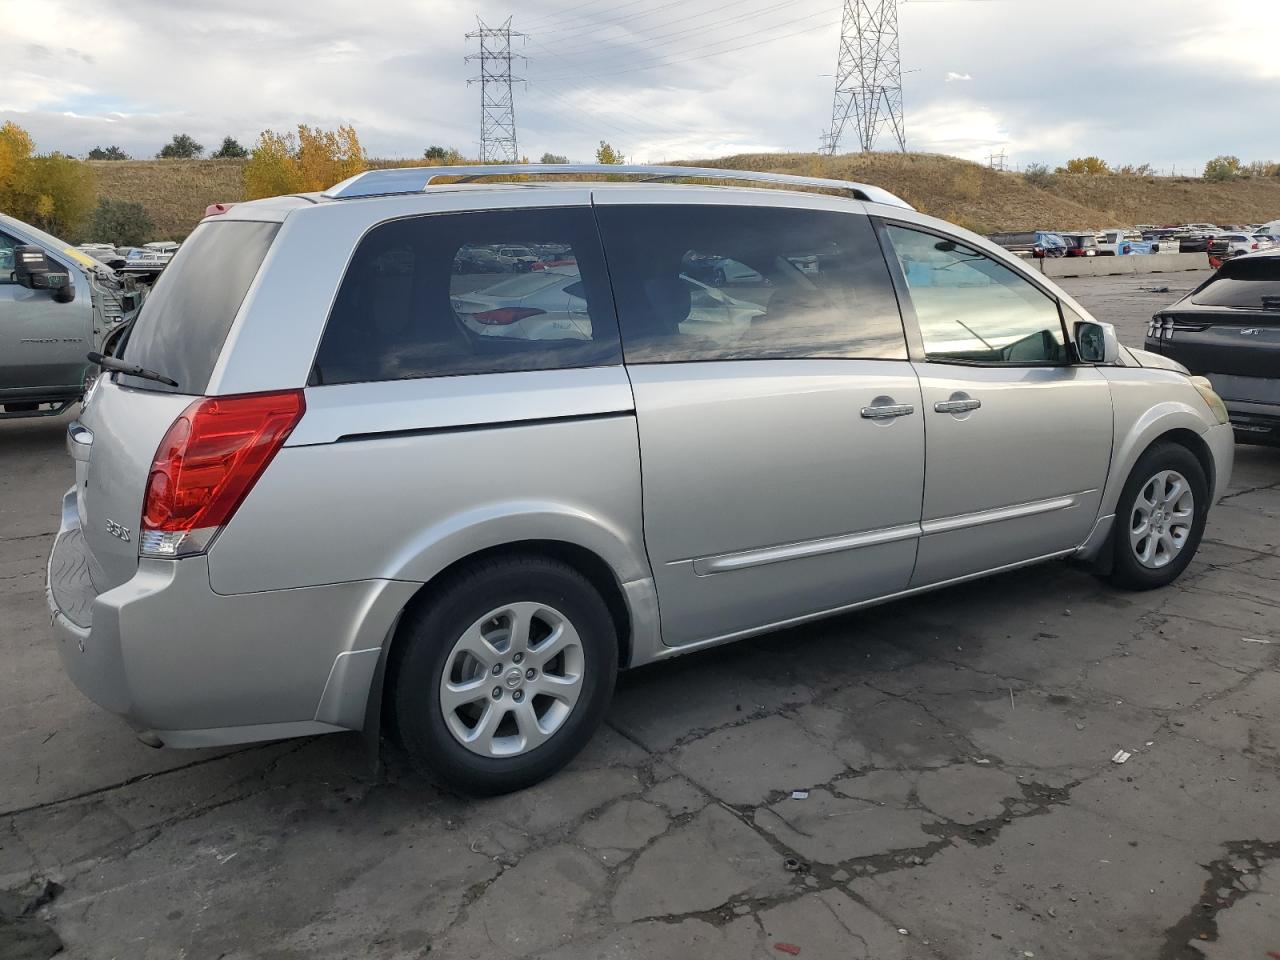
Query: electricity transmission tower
x,y
497,108
868,75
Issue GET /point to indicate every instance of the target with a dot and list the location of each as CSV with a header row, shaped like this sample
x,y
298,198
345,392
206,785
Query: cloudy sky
x,y
1166,82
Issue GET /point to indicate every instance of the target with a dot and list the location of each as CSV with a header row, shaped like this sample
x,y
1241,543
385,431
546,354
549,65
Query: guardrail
x,y
1130,263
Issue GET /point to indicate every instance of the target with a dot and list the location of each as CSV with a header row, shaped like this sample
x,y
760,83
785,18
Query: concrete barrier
x,y
1131,263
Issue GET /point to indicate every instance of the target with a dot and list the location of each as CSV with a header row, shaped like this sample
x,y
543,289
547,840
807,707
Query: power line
x,y
664,62
497,107
700,28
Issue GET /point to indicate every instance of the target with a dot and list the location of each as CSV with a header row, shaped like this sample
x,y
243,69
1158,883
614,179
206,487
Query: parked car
x,y
1228,329
1080,244
281,529
1195,242
56,304
1230,245
1113,243
1031,243
721,271
552,304
521,259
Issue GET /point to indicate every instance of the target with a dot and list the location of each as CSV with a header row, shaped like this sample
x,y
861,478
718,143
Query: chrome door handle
x,y
888,411
956,406
79,440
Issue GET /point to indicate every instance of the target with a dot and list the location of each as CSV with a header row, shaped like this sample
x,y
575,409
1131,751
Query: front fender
x,y
1138,431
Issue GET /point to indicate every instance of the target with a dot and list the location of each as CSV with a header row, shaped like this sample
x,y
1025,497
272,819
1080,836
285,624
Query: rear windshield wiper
x,y
130,369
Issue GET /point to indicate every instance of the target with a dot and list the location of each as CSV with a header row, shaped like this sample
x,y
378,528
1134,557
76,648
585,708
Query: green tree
x,y
1089,165
230,150
1225,167
181,147
442,155
120,222
108,153
606,154
553,158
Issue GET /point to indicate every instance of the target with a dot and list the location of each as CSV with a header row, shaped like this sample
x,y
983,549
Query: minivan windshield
x,y
185,320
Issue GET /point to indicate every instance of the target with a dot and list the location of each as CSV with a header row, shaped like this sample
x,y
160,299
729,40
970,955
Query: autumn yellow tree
x,y
16,147
1089,165
311,159
55,192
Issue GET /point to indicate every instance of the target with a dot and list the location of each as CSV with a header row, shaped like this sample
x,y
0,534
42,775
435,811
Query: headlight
x,y
1205,389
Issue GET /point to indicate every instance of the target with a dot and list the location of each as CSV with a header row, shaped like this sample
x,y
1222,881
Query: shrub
x,y
1225,167
230,150
1089,165
1038,175
108,153
443,156
120,222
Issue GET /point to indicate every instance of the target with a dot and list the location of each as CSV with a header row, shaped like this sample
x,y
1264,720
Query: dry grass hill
x,y
175,192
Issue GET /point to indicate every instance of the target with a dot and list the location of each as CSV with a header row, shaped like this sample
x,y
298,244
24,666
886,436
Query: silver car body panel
x,y
765,495
818,471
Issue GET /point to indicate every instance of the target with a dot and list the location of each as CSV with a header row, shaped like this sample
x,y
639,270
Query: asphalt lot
x,y
956,750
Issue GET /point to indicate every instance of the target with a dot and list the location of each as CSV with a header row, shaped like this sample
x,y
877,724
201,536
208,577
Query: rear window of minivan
x,y
185,320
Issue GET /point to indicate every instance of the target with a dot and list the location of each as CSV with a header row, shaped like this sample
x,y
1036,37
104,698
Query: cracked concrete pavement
x,y
952,752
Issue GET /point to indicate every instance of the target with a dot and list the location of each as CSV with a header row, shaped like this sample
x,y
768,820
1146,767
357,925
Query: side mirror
x,y
33,270
1096,342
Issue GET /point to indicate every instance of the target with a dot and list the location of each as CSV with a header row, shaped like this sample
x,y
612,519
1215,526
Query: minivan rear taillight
x,y
206,464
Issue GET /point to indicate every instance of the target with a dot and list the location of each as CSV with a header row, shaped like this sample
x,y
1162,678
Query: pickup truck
x,y
1119,243
56,305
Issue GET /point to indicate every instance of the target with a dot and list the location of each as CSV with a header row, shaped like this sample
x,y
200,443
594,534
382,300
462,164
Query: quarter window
x,y
972,309
464,293
6,259
713,282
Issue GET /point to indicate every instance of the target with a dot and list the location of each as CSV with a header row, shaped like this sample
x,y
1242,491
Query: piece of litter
x,y
1151,743
1027,953
790,948
904,931
799,794
1121,756
983,760
1079,725
1254,640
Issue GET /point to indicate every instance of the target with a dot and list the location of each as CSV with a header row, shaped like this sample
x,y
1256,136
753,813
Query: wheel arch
x,y
1171,421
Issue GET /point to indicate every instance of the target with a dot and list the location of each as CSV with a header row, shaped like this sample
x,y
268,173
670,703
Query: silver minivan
x,y
335,475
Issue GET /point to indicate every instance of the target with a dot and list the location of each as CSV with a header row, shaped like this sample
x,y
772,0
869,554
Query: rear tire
x,y
1160,518
505,675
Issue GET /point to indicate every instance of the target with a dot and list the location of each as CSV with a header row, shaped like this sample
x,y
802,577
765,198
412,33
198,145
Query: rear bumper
x,y
191,667
1255,422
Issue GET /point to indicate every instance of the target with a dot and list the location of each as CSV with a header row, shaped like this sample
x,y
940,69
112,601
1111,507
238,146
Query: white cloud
x,y
398,73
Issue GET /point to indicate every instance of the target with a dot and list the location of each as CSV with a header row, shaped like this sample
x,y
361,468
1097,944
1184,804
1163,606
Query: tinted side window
x,y
973,309
184,322
461,293
748,283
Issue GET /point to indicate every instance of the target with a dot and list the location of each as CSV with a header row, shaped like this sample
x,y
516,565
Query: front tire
x,y
505,675
1160,518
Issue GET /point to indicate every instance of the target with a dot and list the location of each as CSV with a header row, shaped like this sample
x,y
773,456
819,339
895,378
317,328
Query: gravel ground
x,y
928,779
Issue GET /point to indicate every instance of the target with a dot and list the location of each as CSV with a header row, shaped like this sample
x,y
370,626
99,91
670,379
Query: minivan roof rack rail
x,y
396,180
